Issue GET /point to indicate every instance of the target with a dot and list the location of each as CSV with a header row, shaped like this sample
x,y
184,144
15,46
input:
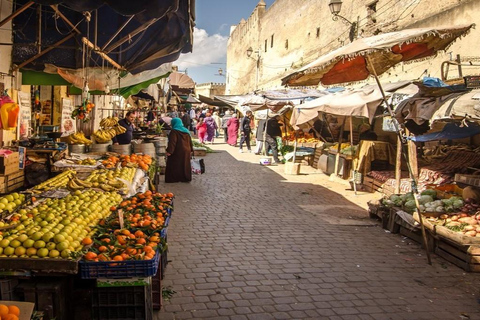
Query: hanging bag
x,y
198,166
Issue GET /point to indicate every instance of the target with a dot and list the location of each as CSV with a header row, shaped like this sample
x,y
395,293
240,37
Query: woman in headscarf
x,y
211,128
179,153
218,121
233,124
201,130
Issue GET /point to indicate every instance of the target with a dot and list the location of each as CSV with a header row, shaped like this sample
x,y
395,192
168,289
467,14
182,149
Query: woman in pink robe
x,y
233,124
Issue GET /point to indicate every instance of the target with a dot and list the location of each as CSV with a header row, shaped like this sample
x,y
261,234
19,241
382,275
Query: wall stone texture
x,y
304,30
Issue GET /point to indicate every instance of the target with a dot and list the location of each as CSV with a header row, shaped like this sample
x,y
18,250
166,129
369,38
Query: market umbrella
x,y
374,56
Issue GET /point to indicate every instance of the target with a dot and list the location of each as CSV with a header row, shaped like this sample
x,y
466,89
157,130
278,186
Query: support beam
x,y
16,13
35,57
96,49
132,34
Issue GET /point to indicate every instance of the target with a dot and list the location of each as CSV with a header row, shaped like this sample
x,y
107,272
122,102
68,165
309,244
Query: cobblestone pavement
x,y
246,243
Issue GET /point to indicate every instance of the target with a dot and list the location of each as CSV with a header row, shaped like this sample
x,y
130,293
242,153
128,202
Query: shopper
x,y
259,136
233,124
218,122
273,131
127,123
211,128
201,130
179,153
246,131
225,119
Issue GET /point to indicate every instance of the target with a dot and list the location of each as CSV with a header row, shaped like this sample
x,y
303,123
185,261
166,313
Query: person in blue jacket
x,y
127,123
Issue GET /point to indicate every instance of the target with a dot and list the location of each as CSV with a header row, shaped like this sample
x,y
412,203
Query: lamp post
x,y
250,51
335,8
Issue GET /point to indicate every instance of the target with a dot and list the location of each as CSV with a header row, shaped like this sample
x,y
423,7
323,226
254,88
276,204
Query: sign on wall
x,y
68,125
25,115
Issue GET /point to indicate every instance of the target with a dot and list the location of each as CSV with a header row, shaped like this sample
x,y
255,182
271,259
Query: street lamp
x,y
335,8
250,51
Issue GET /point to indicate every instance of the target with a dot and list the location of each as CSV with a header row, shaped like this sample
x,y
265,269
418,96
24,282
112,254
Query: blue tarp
x,y
449,132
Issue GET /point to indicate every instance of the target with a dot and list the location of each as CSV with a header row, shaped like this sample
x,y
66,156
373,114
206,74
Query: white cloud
x,y
206,49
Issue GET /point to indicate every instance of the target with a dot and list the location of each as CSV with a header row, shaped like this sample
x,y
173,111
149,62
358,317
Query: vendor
x,y
127,123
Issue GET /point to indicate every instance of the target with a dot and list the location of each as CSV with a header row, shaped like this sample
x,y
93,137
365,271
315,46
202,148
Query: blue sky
x,y
213,21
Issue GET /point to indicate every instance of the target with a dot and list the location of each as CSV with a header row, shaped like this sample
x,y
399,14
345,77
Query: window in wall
x,y
318,32
286,44
271,41
266,45
371,11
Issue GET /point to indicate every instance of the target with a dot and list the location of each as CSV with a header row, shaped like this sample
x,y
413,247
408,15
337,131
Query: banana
x,y
117,184
106,187
83,183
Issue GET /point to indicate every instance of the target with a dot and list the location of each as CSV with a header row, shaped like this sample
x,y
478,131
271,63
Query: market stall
x,y
97,219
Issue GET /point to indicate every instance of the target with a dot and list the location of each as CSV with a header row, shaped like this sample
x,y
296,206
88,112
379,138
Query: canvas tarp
x,y
356,103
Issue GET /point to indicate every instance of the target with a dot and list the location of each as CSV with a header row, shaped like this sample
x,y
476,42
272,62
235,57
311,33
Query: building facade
x,y
291,33
210,89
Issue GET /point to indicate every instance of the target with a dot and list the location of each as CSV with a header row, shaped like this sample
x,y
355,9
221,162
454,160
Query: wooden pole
x,y
340,140
16,13
351,146
404,153
398,166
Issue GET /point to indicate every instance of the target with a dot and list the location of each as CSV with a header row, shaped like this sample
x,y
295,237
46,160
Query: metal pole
x,y
410,171
351,145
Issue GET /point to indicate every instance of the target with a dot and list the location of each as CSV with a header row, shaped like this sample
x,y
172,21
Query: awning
x,y
213,102
357,103
135,35
450,131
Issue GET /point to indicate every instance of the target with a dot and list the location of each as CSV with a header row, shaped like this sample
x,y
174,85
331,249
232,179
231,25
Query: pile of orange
x,y
122,245
11,312
143,161
144,217
134,160
111,162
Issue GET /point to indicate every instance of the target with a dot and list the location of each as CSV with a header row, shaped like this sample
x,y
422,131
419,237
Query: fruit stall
x,y
450,214
96,230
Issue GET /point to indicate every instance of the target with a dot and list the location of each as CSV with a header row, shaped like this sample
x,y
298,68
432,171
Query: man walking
x,y
273,131
246,130
225,119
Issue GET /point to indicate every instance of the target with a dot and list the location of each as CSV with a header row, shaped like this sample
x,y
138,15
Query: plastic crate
x,y
132,302
163,232
157,300
167,221
119,269
7,287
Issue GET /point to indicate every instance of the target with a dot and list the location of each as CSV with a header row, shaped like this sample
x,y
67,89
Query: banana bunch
x,y
88,162
119,129
109,122
78,138
112,185
56,182
77,184
104,135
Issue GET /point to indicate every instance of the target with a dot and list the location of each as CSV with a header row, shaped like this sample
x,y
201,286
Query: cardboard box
x,y
12,181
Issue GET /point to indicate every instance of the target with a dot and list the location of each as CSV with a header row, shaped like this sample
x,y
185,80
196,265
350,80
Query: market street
x,y
244,243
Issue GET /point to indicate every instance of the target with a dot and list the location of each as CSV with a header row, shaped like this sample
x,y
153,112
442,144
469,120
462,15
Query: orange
x,y
10,316
118,258
14,310
90,255
87,241
3,310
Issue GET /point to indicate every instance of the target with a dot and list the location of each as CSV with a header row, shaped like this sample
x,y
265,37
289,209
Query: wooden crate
x,y
12,182
316,157
466,257
372,185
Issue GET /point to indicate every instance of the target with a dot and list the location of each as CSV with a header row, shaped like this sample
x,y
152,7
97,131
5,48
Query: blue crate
x,y
167,221
163,233
119,269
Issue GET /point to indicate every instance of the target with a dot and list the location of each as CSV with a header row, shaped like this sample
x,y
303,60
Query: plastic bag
x,y
198,166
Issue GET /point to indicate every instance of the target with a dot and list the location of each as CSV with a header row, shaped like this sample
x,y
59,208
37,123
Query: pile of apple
x,y
10,202
57,227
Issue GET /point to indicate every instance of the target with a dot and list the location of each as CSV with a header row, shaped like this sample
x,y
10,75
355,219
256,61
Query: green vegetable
x,y
425,199
410,205
429,192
